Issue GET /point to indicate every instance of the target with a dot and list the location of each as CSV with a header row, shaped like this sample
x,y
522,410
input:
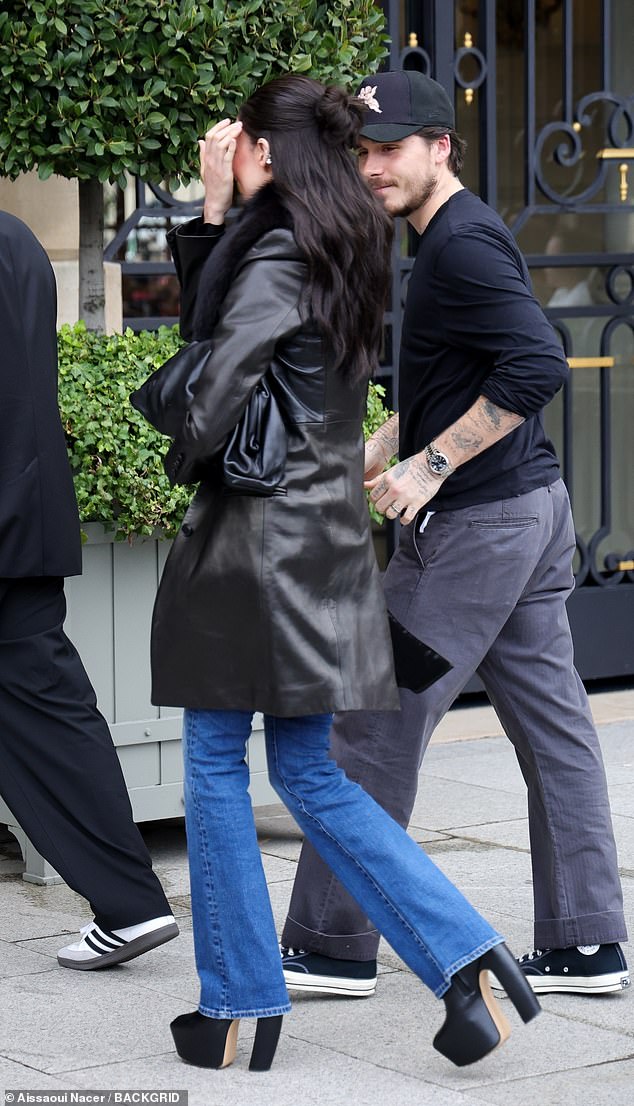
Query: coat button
x,y
187,529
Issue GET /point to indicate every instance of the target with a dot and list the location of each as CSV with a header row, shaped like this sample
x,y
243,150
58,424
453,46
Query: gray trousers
x,y
486,586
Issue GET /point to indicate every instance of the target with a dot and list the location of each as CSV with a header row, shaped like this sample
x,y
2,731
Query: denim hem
x,y
265,1012
468,959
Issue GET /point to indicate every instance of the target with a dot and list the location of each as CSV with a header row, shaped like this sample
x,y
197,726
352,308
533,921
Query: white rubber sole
x,y
136,947
575,984
327,985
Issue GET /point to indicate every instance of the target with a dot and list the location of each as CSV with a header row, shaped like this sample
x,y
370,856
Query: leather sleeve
x,y
262,307
191,244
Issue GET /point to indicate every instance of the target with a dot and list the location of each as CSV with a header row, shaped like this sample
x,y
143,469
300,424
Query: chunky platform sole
x,y
136,947
475,1025
212,1042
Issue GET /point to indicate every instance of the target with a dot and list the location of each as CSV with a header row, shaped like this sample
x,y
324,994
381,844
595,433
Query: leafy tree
x,y
97,89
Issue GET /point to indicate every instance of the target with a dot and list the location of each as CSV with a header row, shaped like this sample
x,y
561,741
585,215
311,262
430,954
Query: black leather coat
x,y
39,525
273,604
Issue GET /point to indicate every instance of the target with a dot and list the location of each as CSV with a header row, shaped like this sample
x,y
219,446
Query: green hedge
x,y
104,88
115,455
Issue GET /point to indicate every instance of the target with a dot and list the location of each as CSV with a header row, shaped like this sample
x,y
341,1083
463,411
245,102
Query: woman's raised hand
x,y
216,169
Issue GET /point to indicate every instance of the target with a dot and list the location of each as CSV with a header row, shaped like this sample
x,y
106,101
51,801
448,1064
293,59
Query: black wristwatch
x,y
438,462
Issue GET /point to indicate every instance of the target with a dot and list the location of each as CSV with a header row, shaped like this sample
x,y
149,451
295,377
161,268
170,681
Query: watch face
x,y
438,464
437,461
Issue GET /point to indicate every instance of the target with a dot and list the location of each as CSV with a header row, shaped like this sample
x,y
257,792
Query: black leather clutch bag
x,y
254,457
417,666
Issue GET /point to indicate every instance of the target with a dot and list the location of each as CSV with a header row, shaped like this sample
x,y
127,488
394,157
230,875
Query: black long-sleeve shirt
x,y
472,327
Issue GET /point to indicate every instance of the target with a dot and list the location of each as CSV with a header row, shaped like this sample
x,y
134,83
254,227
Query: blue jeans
x,y
417,909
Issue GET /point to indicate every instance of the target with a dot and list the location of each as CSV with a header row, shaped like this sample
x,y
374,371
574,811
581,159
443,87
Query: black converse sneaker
x,y
310,971
584,970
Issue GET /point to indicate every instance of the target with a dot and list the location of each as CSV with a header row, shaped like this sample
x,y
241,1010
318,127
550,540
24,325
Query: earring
x,y
268,160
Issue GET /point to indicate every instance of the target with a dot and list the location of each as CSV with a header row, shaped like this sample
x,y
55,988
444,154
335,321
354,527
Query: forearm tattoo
x,y
466,440
386,438
483,425
492,413
495,418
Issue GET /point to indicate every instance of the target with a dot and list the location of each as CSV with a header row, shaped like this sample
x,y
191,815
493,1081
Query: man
x,y
483,567
59,771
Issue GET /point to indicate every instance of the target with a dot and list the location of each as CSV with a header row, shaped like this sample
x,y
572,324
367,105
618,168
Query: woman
x,y
273,603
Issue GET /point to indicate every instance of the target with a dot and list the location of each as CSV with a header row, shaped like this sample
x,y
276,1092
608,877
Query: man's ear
x,y
444,148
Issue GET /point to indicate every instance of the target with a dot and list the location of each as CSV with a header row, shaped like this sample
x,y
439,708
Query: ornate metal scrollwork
x,y
611,288
569,152
616,567
472,52
414,56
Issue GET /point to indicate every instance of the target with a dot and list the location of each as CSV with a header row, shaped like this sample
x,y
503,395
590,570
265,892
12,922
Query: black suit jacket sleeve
x,y
39,526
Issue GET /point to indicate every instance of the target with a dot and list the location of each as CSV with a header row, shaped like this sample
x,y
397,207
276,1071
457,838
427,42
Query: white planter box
x,y
109,614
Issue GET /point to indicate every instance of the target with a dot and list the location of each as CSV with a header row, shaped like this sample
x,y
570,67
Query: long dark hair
x,y
342,230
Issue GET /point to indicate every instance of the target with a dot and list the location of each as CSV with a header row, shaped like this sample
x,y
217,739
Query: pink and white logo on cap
x,y
368,96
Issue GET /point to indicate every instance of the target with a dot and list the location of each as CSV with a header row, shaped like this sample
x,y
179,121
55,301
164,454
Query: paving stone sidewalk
x,y
73,1031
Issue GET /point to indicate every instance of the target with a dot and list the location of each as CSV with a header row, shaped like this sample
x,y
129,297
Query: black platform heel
x,y
205,1042
267,1035
475,1024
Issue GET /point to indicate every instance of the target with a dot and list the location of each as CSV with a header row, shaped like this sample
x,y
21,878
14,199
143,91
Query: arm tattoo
x,y
466,441
480,427
492,413
386,438
499,418
496,418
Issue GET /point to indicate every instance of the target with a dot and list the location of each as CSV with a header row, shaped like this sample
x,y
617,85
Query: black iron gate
x,y
544,97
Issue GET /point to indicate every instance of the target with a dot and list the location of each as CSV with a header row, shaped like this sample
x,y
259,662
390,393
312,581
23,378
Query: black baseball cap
x,y
400,103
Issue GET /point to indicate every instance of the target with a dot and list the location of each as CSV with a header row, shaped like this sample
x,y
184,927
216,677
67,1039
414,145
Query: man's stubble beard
x,y
416,199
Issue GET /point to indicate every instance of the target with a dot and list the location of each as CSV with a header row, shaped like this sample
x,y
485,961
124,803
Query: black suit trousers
x,y
59,770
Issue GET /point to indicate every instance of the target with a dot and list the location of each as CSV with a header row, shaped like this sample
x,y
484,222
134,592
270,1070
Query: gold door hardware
x,y
468,92
625,566
623,167
609,153
591,362
412,39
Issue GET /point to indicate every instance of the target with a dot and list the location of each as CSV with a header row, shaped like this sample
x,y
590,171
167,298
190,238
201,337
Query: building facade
x,y
544,95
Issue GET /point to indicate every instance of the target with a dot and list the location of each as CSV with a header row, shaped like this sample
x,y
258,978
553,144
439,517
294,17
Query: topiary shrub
x,y
99,89
115,455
